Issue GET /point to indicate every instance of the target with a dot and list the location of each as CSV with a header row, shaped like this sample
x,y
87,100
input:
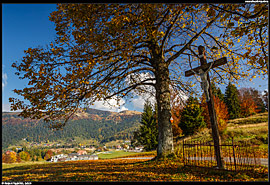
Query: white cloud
x,y
5,108
138,103
112,104
4,79
141,90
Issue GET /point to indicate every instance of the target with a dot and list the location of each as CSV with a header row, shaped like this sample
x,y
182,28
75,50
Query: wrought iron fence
x,y
236,156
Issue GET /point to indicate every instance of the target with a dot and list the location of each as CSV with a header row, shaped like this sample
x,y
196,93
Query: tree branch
x,y
192,40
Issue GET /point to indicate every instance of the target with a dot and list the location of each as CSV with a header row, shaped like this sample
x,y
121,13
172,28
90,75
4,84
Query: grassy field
x,y
114,154
123,154
124,170
109,169
253,129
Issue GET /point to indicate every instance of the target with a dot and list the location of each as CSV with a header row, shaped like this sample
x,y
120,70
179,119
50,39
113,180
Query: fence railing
x,y
236,156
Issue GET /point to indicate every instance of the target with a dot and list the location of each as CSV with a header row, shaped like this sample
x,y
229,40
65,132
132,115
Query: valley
x,y
86,129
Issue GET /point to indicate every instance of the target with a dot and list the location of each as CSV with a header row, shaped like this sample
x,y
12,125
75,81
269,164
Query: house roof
x,y
73,154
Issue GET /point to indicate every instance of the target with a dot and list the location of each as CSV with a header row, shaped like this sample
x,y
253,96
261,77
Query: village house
x,y
9,152
59,157
81,152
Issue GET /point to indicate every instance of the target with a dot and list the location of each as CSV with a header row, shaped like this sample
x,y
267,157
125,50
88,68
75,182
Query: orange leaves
x,y
221,112
123,170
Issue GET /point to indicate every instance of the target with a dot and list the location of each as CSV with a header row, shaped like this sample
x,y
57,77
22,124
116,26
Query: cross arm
x,y
204,67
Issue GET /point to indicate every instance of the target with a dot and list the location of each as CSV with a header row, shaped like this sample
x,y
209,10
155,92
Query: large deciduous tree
x,y
101,50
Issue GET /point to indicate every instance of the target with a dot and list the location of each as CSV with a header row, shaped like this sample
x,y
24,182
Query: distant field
x,y
114,154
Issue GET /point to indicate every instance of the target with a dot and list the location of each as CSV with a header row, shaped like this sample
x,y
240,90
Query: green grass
x,y
22,164
253,127
114,154
257,118
120,154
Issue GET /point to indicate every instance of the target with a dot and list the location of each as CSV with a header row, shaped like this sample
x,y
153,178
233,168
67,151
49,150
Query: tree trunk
x,y
165,135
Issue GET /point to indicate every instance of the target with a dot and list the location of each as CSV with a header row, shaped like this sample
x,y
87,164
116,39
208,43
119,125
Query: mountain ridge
x,y
95,124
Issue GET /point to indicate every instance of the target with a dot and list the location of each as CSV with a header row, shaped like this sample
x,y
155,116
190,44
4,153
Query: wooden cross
x,y
203,72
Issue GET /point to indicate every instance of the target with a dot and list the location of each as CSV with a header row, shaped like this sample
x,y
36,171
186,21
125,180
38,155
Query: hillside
x,y
102,126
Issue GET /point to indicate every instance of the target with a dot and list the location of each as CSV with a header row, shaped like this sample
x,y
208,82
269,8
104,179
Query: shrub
x,y
24,156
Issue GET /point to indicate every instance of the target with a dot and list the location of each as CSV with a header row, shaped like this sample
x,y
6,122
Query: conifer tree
x,y
232,101
258,99
147,135
216,91
191,117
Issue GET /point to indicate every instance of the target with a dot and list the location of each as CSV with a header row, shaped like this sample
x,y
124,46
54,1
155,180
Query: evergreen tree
x,y
258,99
147,135
191,117
217,92
232,101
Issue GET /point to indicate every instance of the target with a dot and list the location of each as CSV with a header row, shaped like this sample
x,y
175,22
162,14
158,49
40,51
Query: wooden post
x,y
212,114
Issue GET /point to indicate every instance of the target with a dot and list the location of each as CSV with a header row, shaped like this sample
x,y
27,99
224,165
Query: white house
x,y
73,157
57,157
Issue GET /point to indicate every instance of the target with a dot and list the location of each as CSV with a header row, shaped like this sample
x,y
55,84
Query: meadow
x,y
125,170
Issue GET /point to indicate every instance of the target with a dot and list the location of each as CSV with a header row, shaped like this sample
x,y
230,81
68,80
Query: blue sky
x,y
28,25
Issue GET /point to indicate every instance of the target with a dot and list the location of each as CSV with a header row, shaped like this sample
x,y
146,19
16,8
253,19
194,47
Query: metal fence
x,y
236,156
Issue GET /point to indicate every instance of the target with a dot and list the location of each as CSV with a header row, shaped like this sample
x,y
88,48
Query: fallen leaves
x,y
124,170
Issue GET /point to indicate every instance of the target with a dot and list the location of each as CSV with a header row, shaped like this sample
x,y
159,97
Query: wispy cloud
x,y
110,105
4,80
5,108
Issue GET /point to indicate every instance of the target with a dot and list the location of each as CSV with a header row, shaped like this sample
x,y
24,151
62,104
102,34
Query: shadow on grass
x,y
124,170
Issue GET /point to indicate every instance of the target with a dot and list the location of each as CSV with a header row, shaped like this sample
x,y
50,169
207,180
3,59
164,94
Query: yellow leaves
x,y
162,33
126,19
89,62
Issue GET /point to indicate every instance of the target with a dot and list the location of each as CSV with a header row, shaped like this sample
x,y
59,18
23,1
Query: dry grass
x,y
124,170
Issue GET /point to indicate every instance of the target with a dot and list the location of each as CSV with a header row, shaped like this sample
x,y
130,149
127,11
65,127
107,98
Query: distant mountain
x,y
102,126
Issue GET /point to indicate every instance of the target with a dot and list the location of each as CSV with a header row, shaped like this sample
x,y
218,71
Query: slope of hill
x,y
95,124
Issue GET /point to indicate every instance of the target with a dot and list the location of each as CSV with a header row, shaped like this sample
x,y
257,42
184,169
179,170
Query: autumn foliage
x,y
9,157
177,104
221,112
125,170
